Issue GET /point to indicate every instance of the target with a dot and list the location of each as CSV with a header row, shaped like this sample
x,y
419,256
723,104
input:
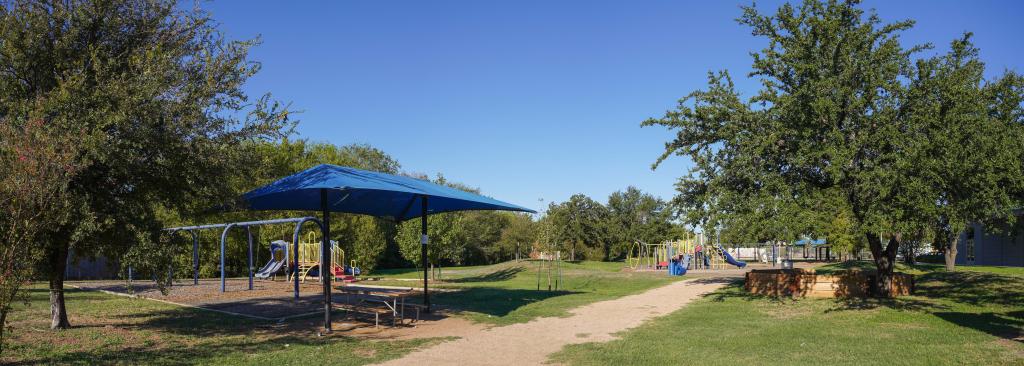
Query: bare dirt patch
x,y
273,302
544,336
267,299
365,352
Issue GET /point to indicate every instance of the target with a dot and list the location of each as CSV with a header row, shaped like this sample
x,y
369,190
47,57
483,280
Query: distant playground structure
x,y
692,253
699,252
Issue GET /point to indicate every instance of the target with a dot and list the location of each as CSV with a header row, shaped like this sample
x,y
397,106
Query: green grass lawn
x,y
110,329
507,293
972,316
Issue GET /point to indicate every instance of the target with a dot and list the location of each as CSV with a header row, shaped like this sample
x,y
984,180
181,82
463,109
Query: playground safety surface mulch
x,y
267,300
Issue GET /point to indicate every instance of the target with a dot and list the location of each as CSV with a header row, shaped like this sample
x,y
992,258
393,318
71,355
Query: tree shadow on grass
x,y
735,291
194,322
118,330
973,288
205,321
179,354
898,303
494,301
731,281
500,275
153,336
1008,325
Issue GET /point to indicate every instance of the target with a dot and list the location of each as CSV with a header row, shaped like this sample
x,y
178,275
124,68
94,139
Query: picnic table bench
x,y
393,300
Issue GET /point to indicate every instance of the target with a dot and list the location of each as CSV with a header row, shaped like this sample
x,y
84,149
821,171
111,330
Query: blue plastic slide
x,y
729,259
678,268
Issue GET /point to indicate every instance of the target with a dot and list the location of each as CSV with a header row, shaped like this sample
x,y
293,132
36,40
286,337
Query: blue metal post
x,y
424,239
223,239
671,254
295,251
195,257
248,232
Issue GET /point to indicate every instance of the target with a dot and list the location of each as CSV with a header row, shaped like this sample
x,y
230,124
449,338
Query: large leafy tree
x,y
634,215
447,234
970,134
578,226
447,231
483,236
519,235
835,117
152,94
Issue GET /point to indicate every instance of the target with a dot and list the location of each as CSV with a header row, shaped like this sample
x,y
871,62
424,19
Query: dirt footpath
x,y
531,343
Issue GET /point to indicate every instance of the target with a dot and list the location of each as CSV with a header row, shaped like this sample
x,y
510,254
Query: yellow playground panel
x,y
309,257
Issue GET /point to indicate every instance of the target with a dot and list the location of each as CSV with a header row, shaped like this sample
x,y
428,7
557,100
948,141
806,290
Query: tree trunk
x,y
3,315
3,325
58,312
885,262
949,251
908,254
949,254
950,258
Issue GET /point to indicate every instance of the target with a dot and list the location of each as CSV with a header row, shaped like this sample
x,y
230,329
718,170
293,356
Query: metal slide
x,y
268,270
277,246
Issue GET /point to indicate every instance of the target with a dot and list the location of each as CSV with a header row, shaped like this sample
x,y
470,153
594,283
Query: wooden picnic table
x,y
393,298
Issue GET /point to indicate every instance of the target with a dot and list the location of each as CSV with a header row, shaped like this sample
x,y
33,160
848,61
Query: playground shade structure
x,y
364,192
331,188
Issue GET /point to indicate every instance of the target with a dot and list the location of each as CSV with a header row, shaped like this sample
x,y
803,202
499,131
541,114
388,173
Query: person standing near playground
x,y
700,256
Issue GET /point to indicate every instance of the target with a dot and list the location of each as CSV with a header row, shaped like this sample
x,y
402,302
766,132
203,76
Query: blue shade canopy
x,y
810,242
369,193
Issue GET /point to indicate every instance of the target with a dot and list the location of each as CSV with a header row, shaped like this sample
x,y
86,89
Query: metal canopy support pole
x,y
295,252
326,250
248,232
423,251
223,239
195,257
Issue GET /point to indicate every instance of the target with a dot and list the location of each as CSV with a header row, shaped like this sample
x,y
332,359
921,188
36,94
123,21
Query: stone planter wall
x,y
805,283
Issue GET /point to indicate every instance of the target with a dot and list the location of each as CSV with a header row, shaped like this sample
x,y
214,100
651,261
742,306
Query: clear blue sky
x,y
532,100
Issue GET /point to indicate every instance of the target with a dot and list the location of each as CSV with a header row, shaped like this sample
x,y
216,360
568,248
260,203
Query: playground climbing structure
x,y
702,252
309,258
